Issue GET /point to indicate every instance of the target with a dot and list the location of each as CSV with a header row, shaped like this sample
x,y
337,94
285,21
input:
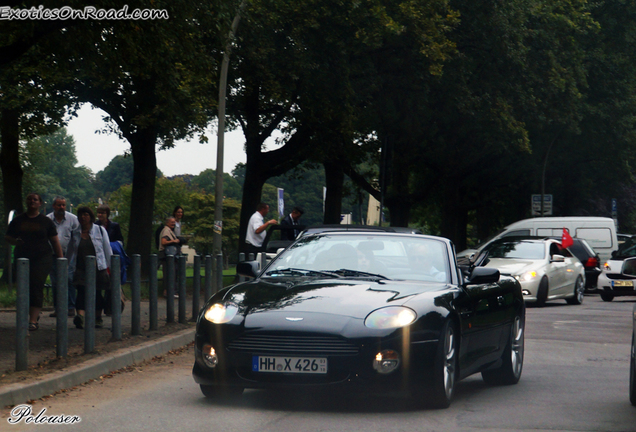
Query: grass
x,y
8,294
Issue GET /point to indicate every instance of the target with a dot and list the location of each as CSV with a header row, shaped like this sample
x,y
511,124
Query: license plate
x,y
620,283
289,364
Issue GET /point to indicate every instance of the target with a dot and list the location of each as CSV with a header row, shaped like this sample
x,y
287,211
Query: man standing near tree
x,y
257,229
290,227
68,229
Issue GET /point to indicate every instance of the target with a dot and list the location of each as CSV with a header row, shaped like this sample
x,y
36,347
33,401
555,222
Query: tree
x,y
294,67
50,169
155,80
206,180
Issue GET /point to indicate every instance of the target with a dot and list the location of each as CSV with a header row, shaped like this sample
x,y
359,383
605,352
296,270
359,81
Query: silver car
x,y
545,269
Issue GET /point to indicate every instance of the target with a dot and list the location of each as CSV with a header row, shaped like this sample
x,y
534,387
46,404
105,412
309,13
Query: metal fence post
x,y
89,312
196,287
219,272
183,299
61,309
115,296
168,283
135,287
22,315
152,287
208,277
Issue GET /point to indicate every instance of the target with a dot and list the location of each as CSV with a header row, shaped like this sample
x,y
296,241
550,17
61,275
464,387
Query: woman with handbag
x,y
93,241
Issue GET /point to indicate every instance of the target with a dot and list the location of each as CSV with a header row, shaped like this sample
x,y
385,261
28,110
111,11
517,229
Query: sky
x,y
95,151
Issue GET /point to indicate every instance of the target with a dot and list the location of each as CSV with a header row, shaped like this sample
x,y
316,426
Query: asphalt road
x,y
575,378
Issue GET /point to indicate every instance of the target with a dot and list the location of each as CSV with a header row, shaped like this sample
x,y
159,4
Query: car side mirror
x,y
247,268
557,258
483,275
629,267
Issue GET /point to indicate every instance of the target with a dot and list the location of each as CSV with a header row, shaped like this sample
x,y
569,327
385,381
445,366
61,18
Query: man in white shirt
x,y
68,229
257,229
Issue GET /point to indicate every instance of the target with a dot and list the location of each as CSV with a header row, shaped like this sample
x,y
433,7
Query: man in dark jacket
x,y
289,226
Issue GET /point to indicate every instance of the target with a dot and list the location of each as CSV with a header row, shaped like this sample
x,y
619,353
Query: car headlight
x,y
221,313
390,317
527,276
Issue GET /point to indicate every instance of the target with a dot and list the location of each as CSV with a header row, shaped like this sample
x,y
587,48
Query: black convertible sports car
x,y
362,310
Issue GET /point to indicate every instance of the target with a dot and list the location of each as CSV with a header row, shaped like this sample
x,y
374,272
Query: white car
x,y
618,277
545,269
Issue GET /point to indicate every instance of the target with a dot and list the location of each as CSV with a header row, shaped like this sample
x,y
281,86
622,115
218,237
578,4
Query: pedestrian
x,y
93,241
290,227
169,247
112,228
117,245
68,229
33,235
177,213
257,229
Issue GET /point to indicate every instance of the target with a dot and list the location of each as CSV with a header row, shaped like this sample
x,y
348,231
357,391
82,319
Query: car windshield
x,y
518,250
364,255
627,249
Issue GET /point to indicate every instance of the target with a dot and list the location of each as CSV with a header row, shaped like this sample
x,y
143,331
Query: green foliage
x,y
49,164
201,223
206,181
117,173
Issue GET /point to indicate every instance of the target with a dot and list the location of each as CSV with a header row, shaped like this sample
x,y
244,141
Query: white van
x,y
599,232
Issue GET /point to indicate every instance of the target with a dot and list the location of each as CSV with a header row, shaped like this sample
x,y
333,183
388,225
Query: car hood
x,y
303,297
511,266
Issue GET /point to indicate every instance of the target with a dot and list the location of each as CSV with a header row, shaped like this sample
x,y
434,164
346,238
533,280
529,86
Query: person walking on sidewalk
x,y
68,229
33,235
93,241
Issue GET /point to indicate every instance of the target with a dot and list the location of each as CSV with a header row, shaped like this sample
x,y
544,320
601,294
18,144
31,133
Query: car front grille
x,y
296,345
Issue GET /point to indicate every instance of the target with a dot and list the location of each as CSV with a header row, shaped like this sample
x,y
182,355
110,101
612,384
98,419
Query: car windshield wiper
x,y
299,272
349,272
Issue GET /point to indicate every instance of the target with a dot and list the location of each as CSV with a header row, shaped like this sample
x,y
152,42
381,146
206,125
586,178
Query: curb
x,y
15,394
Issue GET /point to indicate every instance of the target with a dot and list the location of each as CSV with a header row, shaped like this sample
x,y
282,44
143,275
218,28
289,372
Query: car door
x,y
484,311
557,271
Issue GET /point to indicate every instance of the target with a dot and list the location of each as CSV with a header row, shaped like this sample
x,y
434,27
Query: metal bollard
x,y
168,283
208,277
183,300
241,257
22,315
250,257
196,287
89,312
153,288
115,296
61,309
135,287
219,272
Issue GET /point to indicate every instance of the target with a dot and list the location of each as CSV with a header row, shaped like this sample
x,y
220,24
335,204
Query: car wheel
x,y
632,375
510,371
542,292
605,296
579,290
221,393
444,374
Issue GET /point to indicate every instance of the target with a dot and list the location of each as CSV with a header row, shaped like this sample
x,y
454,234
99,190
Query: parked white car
x,y
545,269
618,277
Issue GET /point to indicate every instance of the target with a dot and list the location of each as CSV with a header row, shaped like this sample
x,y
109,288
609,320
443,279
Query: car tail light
x,y
591,262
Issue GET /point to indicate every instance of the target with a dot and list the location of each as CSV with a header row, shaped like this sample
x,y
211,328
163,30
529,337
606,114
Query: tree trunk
x,y
11,174
143,195
334,179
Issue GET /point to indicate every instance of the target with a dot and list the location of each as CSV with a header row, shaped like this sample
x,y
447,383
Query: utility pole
x,y
218,186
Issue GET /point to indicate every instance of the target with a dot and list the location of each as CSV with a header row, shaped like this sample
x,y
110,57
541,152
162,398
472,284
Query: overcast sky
x,y
96,150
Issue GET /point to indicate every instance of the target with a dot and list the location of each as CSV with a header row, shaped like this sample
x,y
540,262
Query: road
x,y
575,378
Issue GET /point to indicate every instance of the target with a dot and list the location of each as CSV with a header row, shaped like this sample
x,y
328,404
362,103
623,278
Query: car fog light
x,y
525,292
386,361
209,356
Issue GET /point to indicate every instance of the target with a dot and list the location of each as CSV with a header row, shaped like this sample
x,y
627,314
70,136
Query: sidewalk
x,y
47,374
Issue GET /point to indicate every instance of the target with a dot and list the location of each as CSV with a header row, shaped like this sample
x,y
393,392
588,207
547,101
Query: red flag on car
x,y
566,239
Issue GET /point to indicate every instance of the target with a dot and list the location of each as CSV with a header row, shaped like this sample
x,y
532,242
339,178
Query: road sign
x,y
536,205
